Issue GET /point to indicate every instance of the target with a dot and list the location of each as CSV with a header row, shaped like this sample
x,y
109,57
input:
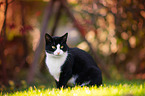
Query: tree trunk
x,y
47,15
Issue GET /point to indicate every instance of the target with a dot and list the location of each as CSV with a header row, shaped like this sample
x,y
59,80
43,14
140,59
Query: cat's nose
x,y
58,53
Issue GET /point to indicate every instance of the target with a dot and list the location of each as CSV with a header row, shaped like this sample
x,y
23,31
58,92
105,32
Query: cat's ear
x,y
64,37
48,38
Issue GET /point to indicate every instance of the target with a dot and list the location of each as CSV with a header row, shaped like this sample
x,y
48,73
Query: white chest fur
x,y
54,64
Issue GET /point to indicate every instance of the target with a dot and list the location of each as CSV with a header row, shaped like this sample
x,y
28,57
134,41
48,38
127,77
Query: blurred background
x,y
112,31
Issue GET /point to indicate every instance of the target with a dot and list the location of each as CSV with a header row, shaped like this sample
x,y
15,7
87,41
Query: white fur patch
x,y
85,83
72,80
55,61
58,51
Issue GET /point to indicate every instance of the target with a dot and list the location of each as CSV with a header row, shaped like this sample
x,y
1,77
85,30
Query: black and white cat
x,y
70,66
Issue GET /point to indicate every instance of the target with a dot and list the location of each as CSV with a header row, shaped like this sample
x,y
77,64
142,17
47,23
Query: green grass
x,y
127,88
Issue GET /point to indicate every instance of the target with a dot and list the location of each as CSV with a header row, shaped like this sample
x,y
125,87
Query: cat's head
x,y
56,46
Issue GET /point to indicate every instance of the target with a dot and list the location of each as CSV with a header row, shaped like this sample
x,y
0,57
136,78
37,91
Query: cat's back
x,y
78,52
81,55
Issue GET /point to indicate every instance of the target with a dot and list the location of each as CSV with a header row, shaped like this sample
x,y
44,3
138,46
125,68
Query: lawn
x,y
127,88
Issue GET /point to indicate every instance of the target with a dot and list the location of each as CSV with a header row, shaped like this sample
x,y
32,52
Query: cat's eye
x,y
53,47
61,47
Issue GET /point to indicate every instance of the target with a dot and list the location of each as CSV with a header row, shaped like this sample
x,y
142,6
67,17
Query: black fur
x,y
78,62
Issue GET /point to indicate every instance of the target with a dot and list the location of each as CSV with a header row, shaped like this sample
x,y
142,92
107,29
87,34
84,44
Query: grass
x,y
127,88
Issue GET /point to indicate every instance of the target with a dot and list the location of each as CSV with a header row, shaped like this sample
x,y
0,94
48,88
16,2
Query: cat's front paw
x,y
61,87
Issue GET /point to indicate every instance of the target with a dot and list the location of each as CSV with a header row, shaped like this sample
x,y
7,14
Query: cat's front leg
x,y
64,77
57,83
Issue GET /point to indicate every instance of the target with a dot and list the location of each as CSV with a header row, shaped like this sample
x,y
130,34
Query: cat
x,y
70,66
